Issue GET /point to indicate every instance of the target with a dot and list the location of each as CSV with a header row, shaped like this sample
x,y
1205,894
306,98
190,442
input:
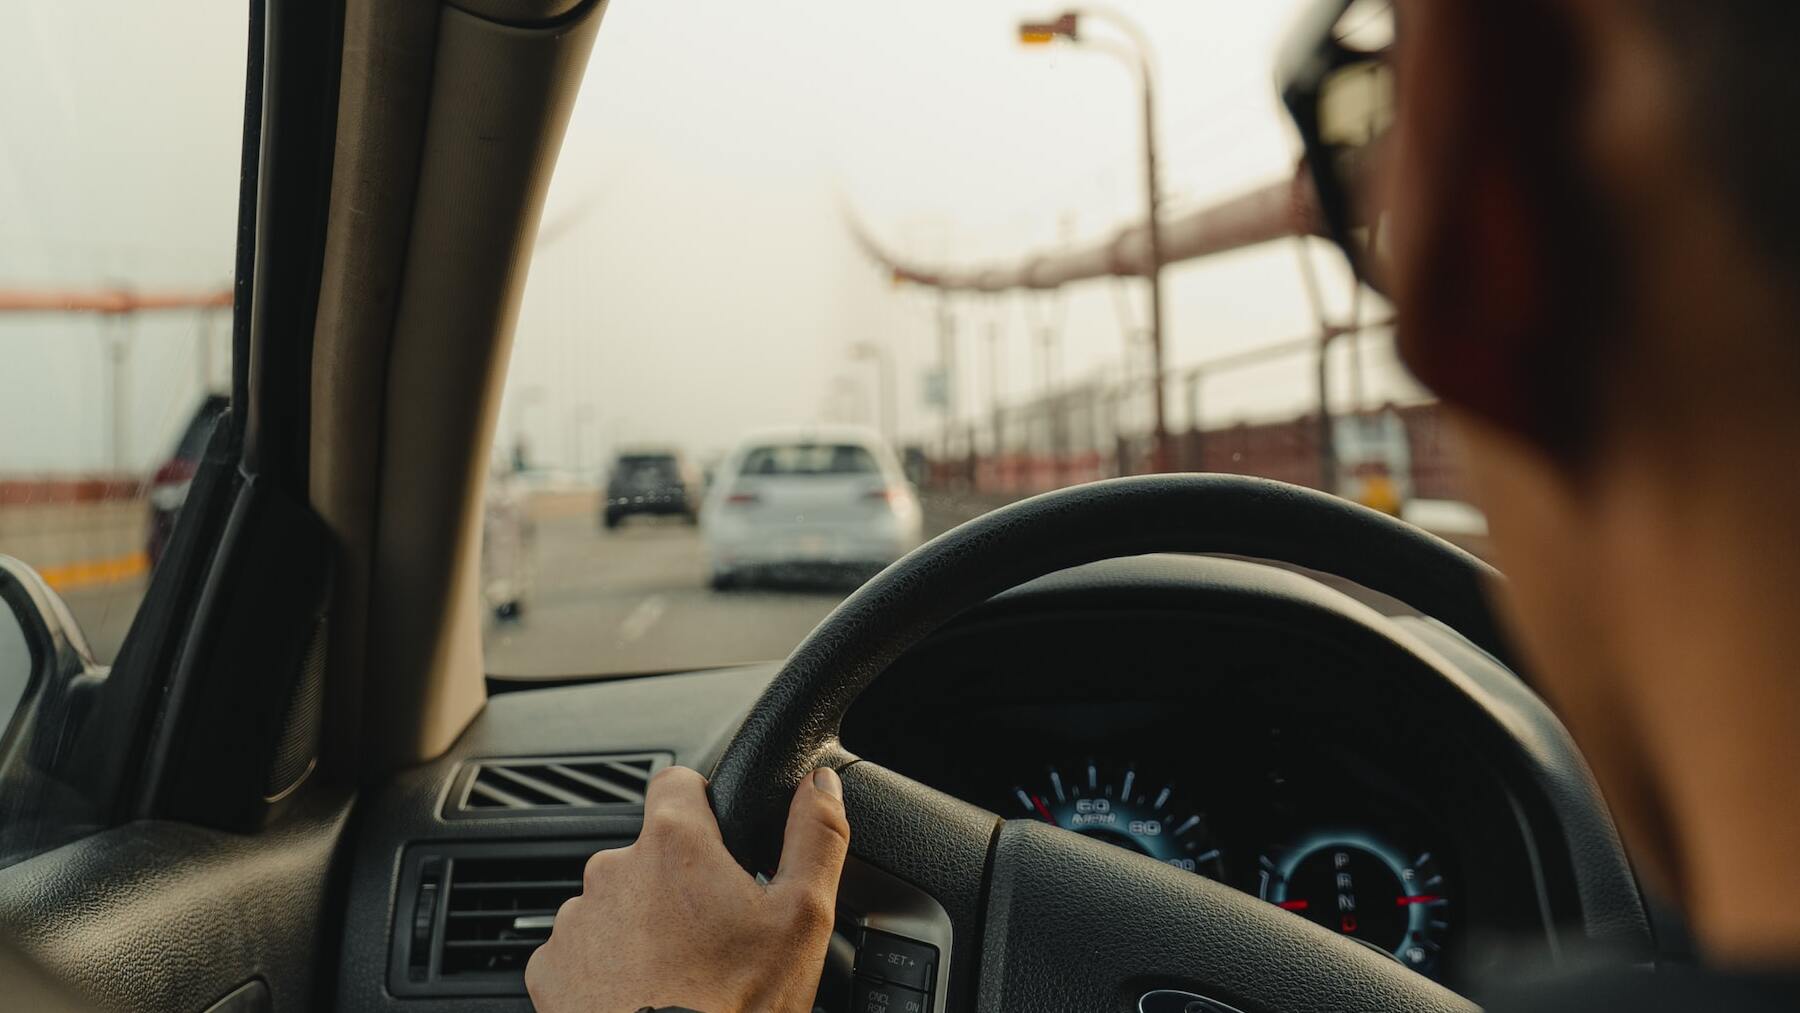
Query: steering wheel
x,y
1041,919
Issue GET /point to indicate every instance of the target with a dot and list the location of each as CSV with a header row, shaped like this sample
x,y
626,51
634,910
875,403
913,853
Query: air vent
x,y
559,784
469,915
500,909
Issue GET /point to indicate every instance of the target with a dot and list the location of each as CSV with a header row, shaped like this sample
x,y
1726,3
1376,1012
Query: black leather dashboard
x,y
689,715
1163,613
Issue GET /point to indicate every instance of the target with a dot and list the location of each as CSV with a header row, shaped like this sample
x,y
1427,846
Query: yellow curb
x,y
92,572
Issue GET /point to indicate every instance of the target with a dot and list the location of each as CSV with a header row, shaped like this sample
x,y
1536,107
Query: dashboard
x,y
1302,741
1327,773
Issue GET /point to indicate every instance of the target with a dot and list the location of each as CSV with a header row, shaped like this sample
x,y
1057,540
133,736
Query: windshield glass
x,y
862,275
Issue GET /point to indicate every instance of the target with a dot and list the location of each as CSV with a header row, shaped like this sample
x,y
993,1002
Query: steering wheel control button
x,y
1168,1000
895,960
880,997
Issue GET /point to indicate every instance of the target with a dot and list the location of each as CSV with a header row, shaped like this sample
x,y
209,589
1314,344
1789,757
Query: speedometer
x,y
1366,888
1122,806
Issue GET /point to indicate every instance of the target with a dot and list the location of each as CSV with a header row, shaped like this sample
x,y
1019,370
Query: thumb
x,y
818,835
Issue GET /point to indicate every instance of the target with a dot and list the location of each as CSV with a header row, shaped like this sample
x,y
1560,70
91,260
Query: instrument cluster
x,y
1369,875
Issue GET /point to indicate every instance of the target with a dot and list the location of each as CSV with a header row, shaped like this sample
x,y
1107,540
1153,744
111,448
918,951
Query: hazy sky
x,y
698,278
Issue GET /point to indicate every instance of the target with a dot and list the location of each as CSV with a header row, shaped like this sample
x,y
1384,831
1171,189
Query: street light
x,y
869,351
526,396
1068,27
846,399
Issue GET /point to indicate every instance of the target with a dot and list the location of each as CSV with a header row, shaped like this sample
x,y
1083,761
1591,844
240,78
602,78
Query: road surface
x,y
631,600
636,600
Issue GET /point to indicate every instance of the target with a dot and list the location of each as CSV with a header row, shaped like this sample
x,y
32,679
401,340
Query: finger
x,y
818,835
676,800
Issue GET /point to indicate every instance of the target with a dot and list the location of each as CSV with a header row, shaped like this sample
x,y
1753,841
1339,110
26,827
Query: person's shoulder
x,y
1646,991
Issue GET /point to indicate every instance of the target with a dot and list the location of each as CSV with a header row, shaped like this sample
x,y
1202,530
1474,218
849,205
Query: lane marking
x,y
638,623
94,572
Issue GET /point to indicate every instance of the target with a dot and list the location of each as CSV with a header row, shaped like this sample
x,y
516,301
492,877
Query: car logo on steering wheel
x,y
1168,1000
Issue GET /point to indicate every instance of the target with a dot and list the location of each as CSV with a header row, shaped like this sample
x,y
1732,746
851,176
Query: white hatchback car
x,y
808,503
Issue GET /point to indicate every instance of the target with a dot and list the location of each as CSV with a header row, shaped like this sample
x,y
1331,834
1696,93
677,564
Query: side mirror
x,y
42,650
48,682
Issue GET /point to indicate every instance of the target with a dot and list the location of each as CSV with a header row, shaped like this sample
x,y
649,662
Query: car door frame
x,y
187,888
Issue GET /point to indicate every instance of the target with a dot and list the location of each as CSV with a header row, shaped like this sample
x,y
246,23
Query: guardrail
x,y
78,532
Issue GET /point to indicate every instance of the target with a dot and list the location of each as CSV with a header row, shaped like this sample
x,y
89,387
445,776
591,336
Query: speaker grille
x,y
300,725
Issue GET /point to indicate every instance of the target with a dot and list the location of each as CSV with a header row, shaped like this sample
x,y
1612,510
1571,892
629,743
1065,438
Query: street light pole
x,y
580,416
1068,26
526,396
993,378
884,365
1153,218
946,328
118,358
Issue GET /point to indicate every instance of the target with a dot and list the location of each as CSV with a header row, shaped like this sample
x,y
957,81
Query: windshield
x,y
877,270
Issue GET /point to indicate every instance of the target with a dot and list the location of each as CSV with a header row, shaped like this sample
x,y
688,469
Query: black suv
x,y
655,482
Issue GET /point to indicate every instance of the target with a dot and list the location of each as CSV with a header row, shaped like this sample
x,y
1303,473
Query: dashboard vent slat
x,y
552,784
498,797
501,908
621,792
470,913
524,780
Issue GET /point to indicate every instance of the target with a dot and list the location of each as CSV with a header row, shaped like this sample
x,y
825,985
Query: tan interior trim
x,y
449,127
384,90
524,13
29,988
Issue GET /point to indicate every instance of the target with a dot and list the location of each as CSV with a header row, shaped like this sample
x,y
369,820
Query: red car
x,y
169,484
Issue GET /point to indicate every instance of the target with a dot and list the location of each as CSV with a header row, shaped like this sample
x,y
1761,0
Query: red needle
x,y
1043,810
1294,905
1421,898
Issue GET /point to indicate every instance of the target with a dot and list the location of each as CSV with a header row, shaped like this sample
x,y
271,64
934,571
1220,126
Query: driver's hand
x,y
674,921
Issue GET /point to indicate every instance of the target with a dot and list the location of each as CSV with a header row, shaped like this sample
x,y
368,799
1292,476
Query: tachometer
x,y
1364,888
1121,806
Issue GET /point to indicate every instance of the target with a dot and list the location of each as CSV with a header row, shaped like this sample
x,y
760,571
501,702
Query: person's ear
x,y
1492,233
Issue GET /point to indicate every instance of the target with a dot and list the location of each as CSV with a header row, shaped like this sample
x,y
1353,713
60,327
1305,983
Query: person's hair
x,y
1741,84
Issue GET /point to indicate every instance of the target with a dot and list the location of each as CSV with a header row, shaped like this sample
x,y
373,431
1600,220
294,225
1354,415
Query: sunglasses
x,y
1338,85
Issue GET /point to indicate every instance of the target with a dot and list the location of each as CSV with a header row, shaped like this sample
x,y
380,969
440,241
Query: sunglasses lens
x,y
1356,104
1366,26
1356,108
